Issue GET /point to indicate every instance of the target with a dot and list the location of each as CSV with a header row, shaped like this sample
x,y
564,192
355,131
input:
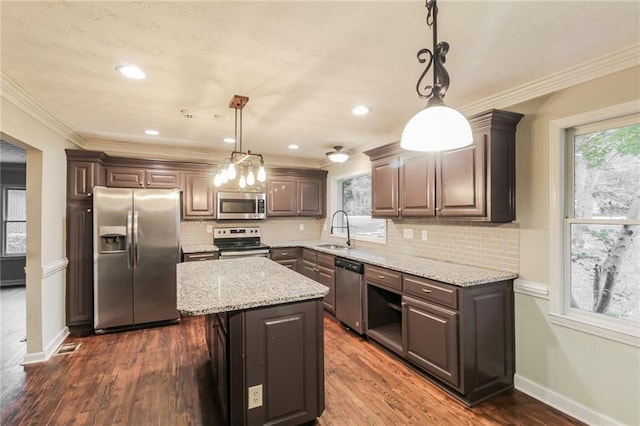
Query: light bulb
x,y
250,177
243,182
262,176
231,171
436,128
224,176
217,181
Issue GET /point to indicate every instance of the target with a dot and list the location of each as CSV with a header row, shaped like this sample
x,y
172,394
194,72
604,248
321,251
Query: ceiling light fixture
x,y
361,110
151,132
228,170
131,71
338,156
229,140
293,146
437,127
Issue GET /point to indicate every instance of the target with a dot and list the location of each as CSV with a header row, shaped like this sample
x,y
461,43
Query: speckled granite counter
x,y
447,272
203,248
234,284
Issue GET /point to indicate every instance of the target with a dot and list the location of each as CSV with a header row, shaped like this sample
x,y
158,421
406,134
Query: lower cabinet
x,y
197,257
286,256
320,267
79,294
277,352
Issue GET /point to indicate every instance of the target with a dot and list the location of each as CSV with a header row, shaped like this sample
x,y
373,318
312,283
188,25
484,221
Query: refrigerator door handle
x,y
129,238
135,241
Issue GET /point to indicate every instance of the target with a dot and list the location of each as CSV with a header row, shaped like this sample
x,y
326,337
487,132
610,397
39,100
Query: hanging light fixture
x,y
437,127
233,166
337,156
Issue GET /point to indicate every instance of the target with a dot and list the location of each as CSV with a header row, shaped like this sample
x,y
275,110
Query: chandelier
x,y
239,163
437,127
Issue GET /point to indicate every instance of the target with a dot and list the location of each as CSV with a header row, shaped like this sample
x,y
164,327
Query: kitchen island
x,y
264,332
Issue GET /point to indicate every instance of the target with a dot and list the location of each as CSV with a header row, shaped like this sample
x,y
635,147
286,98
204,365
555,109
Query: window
x,y
601,242
354,197
14,222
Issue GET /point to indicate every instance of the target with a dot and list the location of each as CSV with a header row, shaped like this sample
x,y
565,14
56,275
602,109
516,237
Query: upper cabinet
x,y
476,182
84,171
136,177
199,196
296,192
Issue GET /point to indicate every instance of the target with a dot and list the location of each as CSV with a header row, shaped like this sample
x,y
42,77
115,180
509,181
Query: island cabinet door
x,y
284,364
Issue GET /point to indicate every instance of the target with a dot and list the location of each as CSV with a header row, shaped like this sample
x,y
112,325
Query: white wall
x,y
595,379
46,216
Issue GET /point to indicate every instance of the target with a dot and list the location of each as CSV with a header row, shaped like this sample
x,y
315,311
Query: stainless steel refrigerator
x,y
136,249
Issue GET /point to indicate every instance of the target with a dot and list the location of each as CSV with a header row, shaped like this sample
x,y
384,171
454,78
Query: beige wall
x,y
46,207
577,371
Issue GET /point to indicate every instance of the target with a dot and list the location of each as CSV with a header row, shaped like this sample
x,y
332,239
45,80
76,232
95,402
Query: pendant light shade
x,y
337,156
436,128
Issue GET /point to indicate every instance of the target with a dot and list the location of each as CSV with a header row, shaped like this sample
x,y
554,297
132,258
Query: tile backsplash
x,y
492,246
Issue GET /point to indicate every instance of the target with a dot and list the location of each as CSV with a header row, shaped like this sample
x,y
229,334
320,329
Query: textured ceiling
x,y
304,65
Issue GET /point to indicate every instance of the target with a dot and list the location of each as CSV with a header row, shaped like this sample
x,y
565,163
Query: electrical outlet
x,y
302,226
407,233
424,235
255,396
209,229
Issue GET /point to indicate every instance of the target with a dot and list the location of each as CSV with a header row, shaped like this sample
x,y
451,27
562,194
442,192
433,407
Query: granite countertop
x,y
215,286
447,272
202,248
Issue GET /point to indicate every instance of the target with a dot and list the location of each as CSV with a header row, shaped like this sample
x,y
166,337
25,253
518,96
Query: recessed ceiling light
x,y
361,110
131,71
293,146
229,140
151,132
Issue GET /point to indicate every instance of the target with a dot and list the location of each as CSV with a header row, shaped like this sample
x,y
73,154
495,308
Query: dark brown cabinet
x,y
79,295
286,256
199,257
475,183
132,177
320,267
82,176
296,193
199,196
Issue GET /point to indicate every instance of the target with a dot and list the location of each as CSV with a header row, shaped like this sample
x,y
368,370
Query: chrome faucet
x,y
346,216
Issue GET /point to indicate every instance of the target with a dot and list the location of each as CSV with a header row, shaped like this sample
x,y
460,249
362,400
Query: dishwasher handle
x,y
352,266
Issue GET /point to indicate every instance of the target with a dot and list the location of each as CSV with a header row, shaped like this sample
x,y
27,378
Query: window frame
x,y
560,310
337,199
5,221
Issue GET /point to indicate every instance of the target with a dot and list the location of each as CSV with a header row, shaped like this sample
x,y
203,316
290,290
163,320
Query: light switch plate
x,y
302,226
407,233
424,235
255,396
209,229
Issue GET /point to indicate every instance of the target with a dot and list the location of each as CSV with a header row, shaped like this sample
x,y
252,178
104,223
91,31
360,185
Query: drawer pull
x,y
284,254
381,277
200,255
426,290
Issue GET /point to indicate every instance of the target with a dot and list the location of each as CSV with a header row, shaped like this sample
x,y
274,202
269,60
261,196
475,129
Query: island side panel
x,y
284,348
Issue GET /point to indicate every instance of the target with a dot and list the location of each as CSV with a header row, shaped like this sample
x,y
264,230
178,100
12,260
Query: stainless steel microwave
x,y
241,205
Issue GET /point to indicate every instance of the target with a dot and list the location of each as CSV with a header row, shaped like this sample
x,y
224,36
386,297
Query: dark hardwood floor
x,y
161,376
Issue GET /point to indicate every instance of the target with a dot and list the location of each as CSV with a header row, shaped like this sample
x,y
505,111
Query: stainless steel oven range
x,y
239,242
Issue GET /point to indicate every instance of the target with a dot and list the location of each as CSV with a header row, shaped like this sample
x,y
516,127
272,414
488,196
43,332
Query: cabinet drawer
x,y
433,291
309,255
327,260
384,277
288,253
194,257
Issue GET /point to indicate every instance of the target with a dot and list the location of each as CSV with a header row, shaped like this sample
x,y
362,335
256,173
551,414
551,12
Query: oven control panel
x,y
249,232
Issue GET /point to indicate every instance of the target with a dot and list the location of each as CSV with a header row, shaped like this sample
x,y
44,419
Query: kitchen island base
x,y
268,363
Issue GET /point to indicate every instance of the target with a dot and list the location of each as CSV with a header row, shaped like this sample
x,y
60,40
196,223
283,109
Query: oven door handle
x,y
227,253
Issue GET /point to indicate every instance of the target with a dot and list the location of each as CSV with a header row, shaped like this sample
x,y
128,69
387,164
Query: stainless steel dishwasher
x,y
350,293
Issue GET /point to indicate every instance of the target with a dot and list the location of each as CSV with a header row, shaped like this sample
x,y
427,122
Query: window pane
x,y
16,238
605,270
606,172
16,204
355,198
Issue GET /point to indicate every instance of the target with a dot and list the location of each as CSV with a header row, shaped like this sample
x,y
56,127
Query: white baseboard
x,y
562,403
531,288
51,349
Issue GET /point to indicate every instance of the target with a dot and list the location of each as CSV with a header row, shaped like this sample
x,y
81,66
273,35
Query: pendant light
x,y
337,156
437,127
233,167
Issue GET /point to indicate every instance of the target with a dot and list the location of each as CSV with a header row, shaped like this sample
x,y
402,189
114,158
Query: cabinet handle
x,y
148,183
88,210
424,290
140,183
381,277
89,194
284,254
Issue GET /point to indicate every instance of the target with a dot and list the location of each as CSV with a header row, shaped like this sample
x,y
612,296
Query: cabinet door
x,y
417,186
125,177
82,176
384,187
311,197
163,179
199,201
430,338
327,276
462,181
281,196
80,270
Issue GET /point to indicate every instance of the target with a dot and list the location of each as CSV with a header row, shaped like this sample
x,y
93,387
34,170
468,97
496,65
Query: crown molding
x,y
595,68
22,99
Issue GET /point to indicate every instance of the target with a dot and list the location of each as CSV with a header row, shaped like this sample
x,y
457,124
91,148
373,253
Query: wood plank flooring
x,y
160,376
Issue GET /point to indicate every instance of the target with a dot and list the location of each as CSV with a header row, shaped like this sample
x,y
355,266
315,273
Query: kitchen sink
x,y
333,246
